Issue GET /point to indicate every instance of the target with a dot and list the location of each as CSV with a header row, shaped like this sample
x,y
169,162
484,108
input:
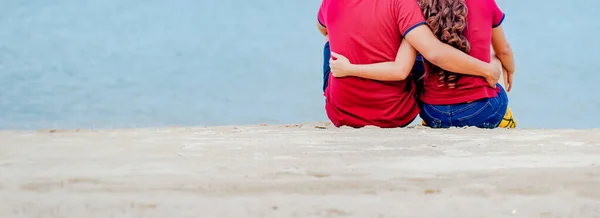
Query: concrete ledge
x,y
309,170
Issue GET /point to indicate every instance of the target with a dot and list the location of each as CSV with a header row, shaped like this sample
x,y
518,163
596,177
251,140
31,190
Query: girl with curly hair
x,y
453,98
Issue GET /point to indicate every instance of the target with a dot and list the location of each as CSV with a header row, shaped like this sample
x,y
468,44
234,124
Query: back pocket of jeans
x,y
431,121
479,115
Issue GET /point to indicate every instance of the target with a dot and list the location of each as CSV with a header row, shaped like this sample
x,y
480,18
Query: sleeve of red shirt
x,y
321,14
498,15
409,15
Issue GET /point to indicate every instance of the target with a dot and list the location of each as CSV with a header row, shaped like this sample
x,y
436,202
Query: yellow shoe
x,y
423,123
508,121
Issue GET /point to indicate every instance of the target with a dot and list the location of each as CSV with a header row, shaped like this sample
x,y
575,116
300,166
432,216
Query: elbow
x,y
402,76
434,52
433,57
403,72
504,50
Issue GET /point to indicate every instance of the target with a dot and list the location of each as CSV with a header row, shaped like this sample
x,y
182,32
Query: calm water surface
x,y
146,63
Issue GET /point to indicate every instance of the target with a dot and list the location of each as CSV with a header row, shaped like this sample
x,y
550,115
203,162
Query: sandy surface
x,y
300,171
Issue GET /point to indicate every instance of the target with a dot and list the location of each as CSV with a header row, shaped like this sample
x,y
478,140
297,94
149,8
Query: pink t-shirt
x,y
483,16
366,32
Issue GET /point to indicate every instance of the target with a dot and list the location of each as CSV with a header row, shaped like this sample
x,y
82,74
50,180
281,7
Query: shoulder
x,y
491,4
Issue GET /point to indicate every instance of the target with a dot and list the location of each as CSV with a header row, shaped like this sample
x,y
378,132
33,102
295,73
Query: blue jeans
x,y
484,113
326,69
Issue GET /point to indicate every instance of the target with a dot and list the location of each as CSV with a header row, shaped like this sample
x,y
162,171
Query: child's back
x,y
482,17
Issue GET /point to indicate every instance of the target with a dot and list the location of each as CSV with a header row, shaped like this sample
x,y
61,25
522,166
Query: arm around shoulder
x,y
447,57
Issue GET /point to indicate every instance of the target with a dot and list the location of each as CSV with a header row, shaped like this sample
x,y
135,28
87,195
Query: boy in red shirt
x,y
453,99
371,31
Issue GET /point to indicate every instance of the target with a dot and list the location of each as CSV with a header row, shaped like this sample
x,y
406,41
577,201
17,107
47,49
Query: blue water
x,y
148,63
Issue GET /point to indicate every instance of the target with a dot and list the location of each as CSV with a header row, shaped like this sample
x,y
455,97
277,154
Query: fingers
x,y
331,64
335,55
336,64
510,82
338,56
332,67
492,81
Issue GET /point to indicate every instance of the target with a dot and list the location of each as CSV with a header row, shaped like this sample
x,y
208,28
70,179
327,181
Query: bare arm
x,y
502,49
447,57
395,70
321,28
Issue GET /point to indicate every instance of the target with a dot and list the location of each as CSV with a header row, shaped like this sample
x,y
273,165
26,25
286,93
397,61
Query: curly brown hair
x,y
448,20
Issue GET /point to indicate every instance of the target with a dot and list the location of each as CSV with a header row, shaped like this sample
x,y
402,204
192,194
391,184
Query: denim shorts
x,y
484,113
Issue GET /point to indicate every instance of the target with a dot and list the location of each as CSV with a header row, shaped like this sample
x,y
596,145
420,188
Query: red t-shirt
x,y
366,32
482,17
